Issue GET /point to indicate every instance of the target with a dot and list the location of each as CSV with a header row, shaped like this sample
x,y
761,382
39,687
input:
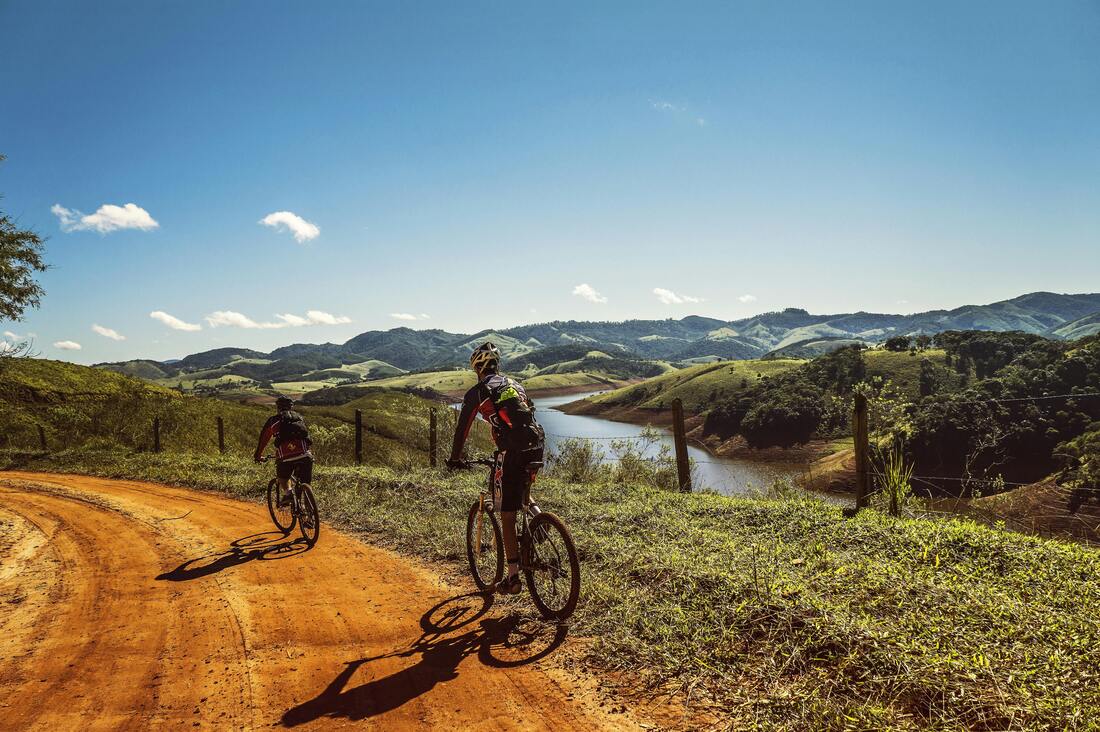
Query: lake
x,y
727,476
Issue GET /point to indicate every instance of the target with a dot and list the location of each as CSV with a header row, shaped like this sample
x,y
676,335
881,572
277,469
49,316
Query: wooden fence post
x,y
156,434
859,430
683,468
221,435
42,438
433,439
358,436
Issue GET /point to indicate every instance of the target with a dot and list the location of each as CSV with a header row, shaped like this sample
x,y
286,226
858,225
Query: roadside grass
x,y
773,613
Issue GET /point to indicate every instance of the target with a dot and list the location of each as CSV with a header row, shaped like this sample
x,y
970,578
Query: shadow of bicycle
x,y
449,637
265,546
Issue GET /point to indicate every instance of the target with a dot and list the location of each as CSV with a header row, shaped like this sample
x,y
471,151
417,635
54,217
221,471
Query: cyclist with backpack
x,y
292,455
503,403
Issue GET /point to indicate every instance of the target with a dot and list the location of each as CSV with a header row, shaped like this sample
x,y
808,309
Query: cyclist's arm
x,y
465,421
265,436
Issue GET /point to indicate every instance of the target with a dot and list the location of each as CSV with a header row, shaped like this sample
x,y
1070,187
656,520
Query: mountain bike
x,y
547,555
300,509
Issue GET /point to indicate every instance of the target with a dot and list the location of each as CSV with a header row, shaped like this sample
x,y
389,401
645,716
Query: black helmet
x,y
485,356
284,404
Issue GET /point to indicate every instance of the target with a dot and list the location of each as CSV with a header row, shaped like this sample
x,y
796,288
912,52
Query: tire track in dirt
x,y
121,610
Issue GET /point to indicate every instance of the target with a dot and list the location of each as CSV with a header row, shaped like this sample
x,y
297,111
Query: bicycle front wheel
x,y
308,520
484,547
282,516
553,569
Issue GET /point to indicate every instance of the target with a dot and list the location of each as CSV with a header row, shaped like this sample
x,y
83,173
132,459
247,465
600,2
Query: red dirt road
x,y
127,605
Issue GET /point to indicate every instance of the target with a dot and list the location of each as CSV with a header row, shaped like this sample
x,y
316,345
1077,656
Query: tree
x,y
20,259
898,343
927,377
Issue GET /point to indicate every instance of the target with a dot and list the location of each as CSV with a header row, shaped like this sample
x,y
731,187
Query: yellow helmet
x,y
484,356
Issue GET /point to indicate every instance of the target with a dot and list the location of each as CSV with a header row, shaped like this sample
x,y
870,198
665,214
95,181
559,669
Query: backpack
x,y
292,427
526,434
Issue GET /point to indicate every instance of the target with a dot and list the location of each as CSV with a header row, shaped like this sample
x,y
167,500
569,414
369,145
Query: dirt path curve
x,y
127,605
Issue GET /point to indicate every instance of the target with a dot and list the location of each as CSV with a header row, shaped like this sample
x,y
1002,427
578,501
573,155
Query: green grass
x,y
697,386
780,614
78,406
902,368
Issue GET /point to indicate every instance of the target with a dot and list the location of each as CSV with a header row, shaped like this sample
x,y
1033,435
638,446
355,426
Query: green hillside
x,y
79,407
1080,328
696,386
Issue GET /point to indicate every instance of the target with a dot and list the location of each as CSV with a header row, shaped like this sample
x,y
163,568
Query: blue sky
x,y
476,162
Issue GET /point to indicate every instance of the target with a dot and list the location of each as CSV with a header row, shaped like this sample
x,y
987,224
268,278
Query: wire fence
x,y
137,420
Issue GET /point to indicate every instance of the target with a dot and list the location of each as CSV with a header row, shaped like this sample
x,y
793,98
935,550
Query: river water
x,y
724,475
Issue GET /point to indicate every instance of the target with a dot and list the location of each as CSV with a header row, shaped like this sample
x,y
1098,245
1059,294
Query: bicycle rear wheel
x,y
552,568
308,520
484,547
282,516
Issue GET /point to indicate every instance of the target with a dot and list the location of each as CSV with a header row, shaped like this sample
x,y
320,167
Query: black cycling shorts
x,y
302,469
516,479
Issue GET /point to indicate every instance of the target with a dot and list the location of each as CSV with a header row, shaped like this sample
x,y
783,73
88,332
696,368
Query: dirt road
x,y
127,605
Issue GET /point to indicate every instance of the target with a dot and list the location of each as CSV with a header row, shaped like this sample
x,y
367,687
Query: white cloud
x,y
318,317
11,335
747,298
404,316
231,318
67,345
425,316
238,320
668,297
313,317
173,322
106,219
303,230
111,333
589,293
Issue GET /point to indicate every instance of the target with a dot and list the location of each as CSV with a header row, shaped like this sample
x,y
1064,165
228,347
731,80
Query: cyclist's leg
x,y
303,470
283,471
513,485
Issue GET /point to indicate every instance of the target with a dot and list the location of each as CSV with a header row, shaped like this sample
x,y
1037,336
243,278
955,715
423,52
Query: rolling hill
x,y
629,349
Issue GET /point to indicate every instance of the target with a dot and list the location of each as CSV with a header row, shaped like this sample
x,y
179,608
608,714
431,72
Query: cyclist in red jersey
x,y
503,403
292,443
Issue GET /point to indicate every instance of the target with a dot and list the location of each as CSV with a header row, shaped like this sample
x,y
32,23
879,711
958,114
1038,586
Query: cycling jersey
x,y
291,439
503,403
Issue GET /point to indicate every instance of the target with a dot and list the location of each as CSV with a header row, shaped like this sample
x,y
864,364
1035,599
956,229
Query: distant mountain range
x,y
688,340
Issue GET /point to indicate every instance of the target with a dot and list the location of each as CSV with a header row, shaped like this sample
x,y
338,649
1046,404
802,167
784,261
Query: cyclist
x,y
504,404
292,443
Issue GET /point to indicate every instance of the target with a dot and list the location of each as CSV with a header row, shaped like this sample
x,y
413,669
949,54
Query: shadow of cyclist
x,y
268,545
439,652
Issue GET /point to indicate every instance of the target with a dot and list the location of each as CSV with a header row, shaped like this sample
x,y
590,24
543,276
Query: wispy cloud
x,y
67,345
106,219
747,298
668,297
173,322
111,333
11,335
285,220
233,319
678,110
410,316
589,293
